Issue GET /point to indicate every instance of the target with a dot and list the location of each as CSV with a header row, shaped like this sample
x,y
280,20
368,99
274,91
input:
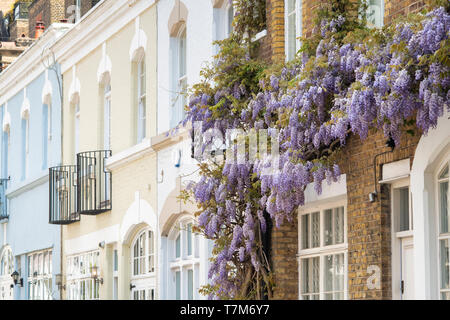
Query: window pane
x,y
315,226
30,266
190,285
339,225
41,263
404,208
305,231
189,239
292,36
375,13
116,261
334,226
178,285
443,207
291,6
182,54
445,264
328,227
178,247
310,277
444,173
334,276
230,19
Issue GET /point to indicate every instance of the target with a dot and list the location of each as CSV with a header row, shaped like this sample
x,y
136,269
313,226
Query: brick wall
x,y
368,224
18,28
400,8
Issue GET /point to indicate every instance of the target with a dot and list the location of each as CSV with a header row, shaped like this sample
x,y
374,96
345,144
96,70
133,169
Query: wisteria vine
x,y
368,79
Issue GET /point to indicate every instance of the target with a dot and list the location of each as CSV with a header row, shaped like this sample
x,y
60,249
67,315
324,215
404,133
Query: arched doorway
x,y
6,269
143,265
431,212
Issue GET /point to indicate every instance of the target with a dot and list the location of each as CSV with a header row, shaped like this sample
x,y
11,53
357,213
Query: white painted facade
x,y
204,20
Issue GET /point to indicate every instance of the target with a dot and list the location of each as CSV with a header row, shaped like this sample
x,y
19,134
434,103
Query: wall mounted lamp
x,y
15,276
95,275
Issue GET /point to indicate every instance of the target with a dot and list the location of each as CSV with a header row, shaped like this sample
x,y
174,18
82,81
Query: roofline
x,y
98,25
27,66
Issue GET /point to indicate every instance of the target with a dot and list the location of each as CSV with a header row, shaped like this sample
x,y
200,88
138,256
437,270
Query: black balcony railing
x,y
3,200
94,182
63,195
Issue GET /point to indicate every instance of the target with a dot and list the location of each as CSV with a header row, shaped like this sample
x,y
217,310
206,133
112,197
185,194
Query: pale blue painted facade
x,y
27,230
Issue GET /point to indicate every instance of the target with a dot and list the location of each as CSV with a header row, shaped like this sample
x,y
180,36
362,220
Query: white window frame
x,y
25,145
222,26
141,99
143,286
182,76
441,236
107,116
6,269
7,144
42,277
149,254
178,80
381,24
186,261
79,273
77,114
77,10
298,26
115,273
46,136
397,235
322,250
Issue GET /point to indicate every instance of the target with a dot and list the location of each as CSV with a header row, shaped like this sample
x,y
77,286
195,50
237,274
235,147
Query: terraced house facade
x,y
92,168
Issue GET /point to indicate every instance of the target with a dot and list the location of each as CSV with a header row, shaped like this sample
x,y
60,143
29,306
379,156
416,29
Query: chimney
x,y
39,29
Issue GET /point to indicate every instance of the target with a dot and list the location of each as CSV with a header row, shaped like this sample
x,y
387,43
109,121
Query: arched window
x,y
107,117
223,15
76,109
25,143
141,99
444,231
5,154
45,134
178,70
179,76
143,266
144,253
6,263
6,269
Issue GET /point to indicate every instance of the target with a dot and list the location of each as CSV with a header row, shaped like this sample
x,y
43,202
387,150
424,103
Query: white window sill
x,y
137,151
260,35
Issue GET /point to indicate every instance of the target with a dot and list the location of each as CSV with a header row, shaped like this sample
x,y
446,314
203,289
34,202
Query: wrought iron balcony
x,y
63,195
3,200
94,182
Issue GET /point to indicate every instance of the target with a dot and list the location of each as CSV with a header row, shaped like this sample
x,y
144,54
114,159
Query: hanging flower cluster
x,y
369,79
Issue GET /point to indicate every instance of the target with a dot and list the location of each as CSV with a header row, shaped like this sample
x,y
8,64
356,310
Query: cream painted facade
x,y
101,50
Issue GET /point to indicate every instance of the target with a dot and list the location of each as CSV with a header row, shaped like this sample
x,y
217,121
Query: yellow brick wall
x,y
368,224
